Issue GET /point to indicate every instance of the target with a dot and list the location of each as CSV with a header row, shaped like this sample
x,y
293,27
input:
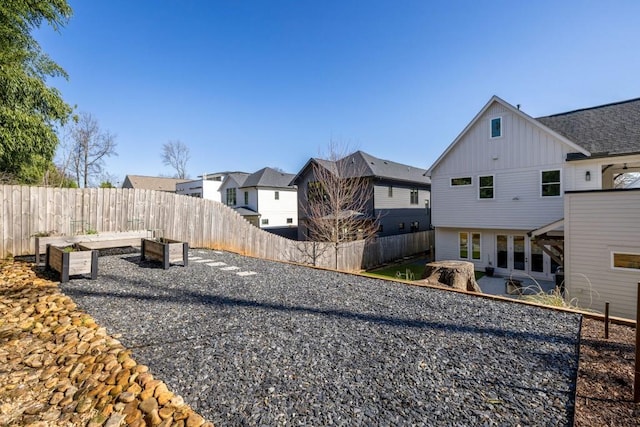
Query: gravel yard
x,y
293,345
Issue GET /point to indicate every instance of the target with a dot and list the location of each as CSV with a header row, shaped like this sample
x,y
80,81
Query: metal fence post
x,y
606,320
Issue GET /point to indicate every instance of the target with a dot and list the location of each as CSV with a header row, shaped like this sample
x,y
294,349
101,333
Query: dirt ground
x,y
604,395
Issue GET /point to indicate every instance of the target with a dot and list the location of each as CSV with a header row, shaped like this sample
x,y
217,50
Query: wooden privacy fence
x,y
30,211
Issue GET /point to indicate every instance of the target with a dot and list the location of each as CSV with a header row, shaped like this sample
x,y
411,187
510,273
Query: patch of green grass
x,y
415,267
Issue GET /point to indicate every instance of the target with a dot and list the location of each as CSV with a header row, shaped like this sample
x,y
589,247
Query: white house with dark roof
x,y
265,198
206,186
520,192
401,193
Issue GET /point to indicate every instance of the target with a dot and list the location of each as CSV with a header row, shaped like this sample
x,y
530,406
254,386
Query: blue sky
x,y
248,84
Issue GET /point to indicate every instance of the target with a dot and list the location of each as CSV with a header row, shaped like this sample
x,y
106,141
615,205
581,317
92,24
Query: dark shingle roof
x,y
268,177
239,177
612,129
365,165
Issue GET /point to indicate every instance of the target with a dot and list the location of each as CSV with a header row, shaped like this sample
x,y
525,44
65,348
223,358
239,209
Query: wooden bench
x,y
104,240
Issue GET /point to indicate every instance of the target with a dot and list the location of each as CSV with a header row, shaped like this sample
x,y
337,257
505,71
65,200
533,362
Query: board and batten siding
x,y
515,159
401,196
597,224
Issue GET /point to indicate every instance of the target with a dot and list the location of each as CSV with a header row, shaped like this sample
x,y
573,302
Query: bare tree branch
x,y
176,154
91,146
338,202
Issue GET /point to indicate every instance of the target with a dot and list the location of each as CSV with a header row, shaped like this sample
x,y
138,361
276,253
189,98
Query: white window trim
x,y
540,183
468,244
491,127
479,245
460,185
493,180
636,270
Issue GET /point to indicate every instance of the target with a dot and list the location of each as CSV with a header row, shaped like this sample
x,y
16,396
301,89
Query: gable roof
x,y
158,183
268,177
238,177
605,130
366,165
518,113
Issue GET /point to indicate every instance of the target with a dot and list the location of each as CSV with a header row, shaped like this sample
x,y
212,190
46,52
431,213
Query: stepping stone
x,y
231,268
216,264
246,273
195,257
199,260
218,252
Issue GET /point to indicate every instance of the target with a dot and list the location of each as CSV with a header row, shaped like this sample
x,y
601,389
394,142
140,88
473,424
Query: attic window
x,y
496,127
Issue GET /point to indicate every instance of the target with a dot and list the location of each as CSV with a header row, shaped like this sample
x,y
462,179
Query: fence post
x,y
636,376
606,320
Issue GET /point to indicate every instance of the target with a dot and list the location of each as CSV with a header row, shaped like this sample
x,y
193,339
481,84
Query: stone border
x,y
58,367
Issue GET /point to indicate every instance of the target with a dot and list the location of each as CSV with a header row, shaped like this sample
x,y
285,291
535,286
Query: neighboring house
x,y
499,192
265,198
158,183
400,193
207,187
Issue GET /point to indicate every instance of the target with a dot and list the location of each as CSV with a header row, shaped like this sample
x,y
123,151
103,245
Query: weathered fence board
x,y
27,211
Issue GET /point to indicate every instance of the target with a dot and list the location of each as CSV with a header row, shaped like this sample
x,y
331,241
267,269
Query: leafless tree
x,y
176,154
90,147
337,203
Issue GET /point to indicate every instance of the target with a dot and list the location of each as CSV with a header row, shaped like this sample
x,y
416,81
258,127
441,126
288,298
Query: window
x,y
550,183
231,196
401,226
625,260
315,191
475,246
414,196
485,190
277,195
265,221
415,226
390,191
463,245
246,197
463,239
455,182
289,220
496,127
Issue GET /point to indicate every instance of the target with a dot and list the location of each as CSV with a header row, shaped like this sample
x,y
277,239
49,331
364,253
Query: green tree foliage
x,y
29,109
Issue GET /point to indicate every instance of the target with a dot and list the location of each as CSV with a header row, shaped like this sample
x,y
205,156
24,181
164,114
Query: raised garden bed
x,y
101,240
71,260
166,251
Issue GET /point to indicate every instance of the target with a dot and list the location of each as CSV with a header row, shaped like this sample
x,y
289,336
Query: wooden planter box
x,y
71,263
166,251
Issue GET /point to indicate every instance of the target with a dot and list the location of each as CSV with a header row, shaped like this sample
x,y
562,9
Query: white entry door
x,y
512,252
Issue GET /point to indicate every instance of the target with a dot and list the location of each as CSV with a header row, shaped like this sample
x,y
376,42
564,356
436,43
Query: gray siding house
x,y
400,193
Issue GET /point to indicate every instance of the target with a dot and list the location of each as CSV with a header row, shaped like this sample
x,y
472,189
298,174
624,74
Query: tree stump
x,y
455,274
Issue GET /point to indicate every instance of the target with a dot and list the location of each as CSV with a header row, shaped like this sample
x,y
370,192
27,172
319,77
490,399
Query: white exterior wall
x,y
516,160
277,211
206,189
597,224
210,190
231,183
447,248
401,198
